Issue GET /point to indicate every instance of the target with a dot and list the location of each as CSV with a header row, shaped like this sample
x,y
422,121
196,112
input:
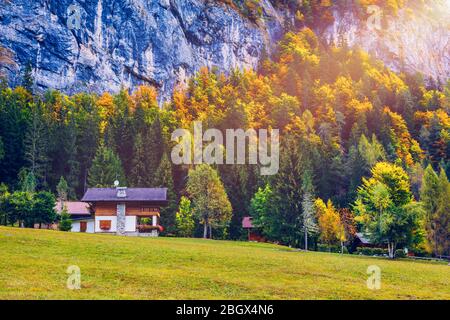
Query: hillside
x,y
33,265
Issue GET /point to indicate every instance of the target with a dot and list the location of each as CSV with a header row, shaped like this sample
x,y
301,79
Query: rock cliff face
x,y
417,40
102,45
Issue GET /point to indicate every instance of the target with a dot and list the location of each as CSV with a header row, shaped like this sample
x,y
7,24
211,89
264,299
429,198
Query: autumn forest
x,y
363,149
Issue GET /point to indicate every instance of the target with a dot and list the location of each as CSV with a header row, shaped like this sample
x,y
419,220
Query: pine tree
x,y
4,204
153,148
120,130
14,121
73,165
434,195
62,189
28,81
164,179
27,181
2,150
106,168
36,144
138,176
443,214
87,123
287,194
147,154
65,224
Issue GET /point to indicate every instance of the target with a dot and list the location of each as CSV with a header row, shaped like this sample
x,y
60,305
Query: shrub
x,y
334,248
66,223
421,252
400,253
371,251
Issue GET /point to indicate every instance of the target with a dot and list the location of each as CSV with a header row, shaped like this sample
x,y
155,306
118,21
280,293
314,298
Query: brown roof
x,y
73,207
362,237
132,194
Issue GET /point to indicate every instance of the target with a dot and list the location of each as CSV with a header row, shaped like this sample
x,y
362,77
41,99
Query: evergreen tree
x,y
4,204
153,148
27,181
87,121
44,208
72,167
120,130
138,176
263,217
65,223
28,80
164,179
106,168
62,189
434,195
287,195
36,144
14,120
443,215
2,150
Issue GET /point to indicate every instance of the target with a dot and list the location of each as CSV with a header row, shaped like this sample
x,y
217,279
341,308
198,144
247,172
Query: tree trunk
x,y
205,230
435,245
210,231
391,250
205,227
306,240
342,247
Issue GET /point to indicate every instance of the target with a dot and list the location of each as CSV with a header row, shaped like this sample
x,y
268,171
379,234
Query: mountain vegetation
x,y
371,144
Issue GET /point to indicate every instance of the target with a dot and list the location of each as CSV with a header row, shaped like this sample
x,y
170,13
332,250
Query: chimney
x,y
121,210
121,192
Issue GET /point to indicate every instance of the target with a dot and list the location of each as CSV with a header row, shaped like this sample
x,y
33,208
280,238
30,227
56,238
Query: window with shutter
x,y
105,224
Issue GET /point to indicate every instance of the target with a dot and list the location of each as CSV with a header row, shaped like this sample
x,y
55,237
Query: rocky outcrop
x,y
102,45
417,40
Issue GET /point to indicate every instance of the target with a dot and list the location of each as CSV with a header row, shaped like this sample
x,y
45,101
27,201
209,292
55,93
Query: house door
x,y
83,226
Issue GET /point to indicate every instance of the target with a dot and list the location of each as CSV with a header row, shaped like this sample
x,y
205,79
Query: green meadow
x,y
33,265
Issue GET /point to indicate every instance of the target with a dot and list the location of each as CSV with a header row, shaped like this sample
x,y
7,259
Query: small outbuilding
x,y
252,232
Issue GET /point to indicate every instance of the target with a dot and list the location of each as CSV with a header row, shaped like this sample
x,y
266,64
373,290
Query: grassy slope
x,y
33,265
